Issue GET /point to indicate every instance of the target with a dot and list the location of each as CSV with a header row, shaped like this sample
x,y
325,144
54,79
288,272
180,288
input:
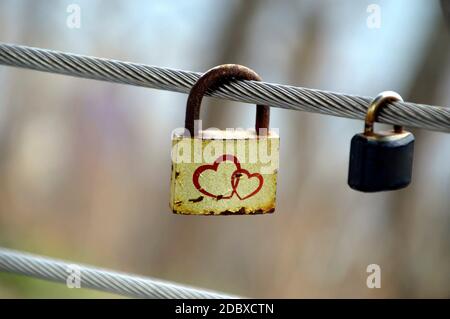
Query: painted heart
x,y
213,168
246,184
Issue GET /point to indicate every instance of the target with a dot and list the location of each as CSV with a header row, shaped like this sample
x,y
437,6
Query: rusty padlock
x,y
217,172
380,161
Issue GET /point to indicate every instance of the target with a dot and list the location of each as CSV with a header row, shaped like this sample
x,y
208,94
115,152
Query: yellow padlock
x,y
217,172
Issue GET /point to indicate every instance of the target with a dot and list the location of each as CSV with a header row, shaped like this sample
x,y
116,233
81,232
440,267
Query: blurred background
x,y
85,165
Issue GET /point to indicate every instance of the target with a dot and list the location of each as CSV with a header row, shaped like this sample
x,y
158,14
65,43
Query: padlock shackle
x,y
213,79
374,108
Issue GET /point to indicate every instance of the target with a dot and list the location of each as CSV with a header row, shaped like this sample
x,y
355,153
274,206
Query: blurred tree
x,y
424,87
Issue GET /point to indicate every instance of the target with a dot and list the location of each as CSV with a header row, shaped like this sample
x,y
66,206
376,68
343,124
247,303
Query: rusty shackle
x,y
211,80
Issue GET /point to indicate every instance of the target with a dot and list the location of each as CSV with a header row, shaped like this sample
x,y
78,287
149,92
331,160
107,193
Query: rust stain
x,y
196,200
241,211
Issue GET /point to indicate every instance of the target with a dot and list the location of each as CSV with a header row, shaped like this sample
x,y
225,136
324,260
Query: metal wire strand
x,y
100,279
275,95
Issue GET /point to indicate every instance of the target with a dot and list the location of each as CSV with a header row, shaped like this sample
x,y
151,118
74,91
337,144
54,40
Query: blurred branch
x,y
445,4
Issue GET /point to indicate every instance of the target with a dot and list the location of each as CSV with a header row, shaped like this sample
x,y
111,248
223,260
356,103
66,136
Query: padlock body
x,y
381,162
223,173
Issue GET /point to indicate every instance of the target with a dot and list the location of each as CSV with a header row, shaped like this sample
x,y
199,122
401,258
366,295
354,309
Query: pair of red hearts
x,y
235,178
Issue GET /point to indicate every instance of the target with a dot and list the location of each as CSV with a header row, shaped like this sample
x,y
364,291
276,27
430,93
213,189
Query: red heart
x,y
214,166
235,182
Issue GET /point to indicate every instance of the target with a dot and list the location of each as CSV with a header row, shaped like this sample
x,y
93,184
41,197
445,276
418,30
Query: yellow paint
x,y
257,158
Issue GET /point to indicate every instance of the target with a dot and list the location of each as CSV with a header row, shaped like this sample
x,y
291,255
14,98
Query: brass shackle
x,y
375,106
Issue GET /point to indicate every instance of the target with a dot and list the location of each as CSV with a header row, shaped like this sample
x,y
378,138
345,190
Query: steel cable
x,y
100,279
276,95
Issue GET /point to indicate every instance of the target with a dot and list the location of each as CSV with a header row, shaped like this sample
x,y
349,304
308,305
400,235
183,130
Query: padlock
x,y
381,161
223,172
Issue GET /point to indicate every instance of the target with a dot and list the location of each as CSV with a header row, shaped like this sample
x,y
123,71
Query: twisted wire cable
x,y
276,95
100,279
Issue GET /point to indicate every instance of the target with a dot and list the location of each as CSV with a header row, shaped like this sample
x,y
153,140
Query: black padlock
x,y
380,161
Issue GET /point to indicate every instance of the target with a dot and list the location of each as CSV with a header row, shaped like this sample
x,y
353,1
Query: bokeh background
x,y
85,165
